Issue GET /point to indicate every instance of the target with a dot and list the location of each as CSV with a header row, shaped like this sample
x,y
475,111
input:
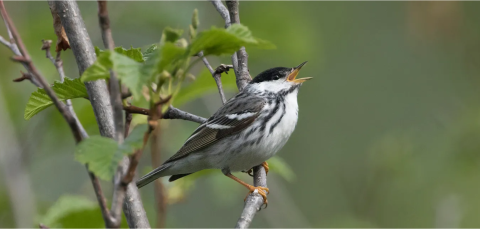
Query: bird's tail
x,y
153,175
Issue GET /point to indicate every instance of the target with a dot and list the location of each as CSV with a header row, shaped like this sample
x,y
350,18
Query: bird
x,y
247,130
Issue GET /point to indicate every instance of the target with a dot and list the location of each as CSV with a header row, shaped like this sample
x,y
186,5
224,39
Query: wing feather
x,y
233,117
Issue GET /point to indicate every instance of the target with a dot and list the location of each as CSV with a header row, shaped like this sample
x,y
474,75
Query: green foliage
x,y
127,69
217,41
73,211
151,50
133,53
39,100
203,84
171,35
103,154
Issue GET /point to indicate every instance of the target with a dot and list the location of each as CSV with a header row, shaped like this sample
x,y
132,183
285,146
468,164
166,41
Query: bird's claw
x,y
263,191
265,166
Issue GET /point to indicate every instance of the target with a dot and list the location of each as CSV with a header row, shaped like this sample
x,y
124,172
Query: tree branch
x,y
254,201
241,72
57,62
240,64
174,113
84,53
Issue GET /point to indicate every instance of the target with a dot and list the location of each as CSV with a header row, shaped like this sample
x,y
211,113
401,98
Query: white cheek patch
x,y
217,126
272,86
240,116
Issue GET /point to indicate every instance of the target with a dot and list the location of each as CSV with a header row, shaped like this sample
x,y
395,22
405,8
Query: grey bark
x,y
253,202
84,53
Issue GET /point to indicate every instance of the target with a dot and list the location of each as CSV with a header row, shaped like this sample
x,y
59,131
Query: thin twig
x,y
226,17
136,110
174,113
241,72
25,58
57,62
254,202
216,74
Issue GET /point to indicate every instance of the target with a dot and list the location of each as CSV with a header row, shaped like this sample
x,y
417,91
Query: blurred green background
x,y
388,132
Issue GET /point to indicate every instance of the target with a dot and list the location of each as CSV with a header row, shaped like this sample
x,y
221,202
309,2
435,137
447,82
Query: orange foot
x,y
261,190
265,166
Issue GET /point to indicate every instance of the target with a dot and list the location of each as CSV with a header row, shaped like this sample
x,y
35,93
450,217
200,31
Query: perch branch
x,y
84,53
254,201
241,72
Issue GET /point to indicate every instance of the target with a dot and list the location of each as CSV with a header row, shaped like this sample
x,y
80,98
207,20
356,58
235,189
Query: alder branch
x,y
254,201
84,53
241,72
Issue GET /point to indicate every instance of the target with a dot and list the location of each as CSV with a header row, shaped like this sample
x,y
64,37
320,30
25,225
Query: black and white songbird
x,y
247,130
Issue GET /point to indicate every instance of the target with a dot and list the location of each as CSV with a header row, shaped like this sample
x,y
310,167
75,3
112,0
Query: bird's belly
x,y
256,149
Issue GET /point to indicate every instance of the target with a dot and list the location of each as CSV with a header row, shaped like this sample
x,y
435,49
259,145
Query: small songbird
x,y
247,130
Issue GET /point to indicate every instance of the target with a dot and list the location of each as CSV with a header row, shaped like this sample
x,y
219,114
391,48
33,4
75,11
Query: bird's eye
x,y
275,77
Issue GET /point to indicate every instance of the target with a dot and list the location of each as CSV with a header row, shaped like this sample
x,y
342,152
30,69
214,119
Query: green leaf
x,y
69,89
103,154
128,71
203,84
150,51
280,166
132,53
171,57
217,41
171,35
70,211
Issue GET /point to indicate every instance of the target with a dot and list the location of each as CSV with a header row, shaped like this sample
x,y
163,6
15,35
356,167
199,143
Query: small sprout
x,y
190,77
195,21
179,73
181,43
165,75
193,32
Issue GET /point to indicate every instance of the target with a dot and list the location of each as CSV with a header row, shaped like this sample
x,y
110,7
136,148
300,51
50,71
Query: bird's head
x,y
278,79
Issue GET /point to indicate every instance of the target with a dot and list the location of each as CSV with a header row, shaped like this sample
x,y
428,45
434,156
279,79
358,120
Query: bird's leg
x,y
261,190
265,166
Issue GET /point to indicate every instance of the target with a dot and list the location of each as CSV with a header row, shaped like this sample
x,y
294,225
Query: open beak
x,y
293,76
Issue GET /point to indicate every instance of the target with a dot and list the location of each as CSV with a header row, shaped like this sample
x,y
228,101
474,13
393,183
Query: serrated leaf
x,y
219,41
102,154
280,166
171,35
68,206
69,89
203,84
132,53
128,71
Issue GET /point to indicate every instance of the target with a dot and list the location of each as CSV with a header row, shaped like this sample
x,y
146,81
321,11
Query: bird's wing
x,y
236,115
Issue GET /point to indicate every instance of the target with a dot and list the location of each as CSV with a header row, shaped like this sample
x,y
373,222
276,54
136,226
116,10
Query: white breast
x,y
247,156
